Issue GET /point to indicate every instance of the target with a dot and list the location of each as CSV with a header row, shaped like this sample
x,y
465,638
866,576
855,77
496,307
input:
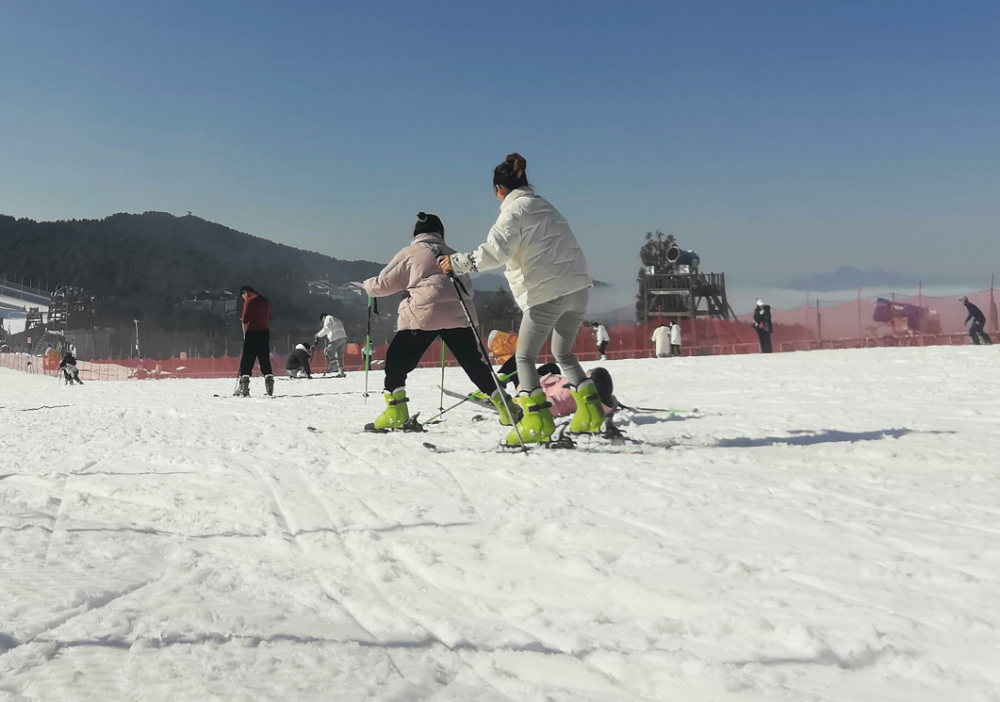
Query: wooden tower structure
x,y
680,290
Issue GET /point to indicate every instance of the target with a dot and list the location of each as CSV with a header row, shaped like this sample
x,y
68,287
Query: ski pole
x,y
445,411
368,343
441,401
482,350
470,396
653,409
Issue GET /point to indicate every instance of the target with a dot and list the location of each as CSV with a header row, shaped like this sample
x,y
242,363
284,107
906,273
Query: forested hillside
x,y
140,267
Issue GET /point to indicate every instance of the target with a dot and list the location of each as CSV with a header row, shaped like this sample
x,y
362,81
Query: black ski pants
x,y
409,346
765,340
256,347
977,333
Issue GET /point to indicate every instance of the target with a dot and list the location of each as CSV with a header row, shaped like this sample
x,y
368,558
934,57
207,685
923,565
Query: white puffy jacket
x,y
601,334
544,260
661,337
333,329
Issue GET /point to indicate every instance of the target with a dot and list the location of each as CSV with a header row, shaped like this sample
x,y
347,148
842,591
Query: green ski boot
x,y
395,414
502,401
536,426
590,414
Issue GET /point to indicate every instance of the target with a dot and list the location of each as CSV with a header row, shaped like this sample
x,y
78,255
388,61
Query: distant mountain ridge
x,y
849,278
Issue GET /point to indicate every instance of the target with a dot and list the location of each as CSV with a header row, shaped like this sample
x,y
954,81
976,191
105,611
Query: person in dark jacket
x,y
762,325
256,340
978,326
298,361
71,374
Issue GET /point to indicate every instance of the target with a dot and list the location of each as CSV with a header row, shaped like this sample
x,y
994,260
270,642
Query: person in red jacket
x,y
256,340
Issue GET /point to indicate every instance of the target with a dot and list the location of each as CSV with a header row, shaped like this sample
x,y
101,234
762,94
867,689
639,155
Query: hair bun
x,y
421,216
518,162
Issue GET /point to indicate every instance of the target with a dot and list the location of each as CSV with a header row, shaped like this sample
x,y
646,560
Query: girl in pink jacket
x,y
430,309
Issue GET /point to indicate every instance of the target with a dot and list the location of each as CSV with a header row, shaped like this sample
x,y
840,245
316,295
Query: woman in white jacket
x,y
551,284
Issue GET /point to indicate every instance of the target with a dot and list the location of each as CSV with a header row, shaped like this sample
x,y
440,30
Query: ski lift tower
x,y
680,290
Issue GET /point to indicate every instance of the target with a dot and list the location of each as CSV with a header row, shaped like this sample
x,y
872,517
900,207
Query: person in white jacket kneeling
x,y
550,281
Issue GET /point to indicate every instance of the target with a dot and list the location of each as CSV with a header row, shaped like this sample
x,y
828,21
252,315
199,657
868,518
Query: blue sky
x,y
776,138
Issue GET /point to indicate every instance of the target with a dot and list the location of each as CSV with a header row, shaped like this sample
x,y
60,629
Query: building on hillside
x,y
222,303
349,293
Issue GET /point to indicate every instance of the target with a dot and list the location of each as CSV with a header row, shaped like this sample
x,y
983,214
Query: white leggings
x,y
561,318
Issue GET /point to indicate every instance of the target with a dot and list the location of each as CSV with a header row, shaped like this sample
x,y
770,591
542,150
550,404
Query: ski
x,y
473,397
410,426
654,409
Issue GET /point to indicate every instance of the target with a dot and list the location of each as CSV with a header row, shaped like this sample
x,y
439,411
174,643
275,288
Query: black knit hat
x,y
428,224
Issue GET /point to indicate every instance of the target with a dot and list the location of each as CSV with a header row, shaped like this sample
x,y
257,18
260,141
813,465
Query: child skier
x,y
336,344
559,391
430,308
551,283
297,363
601,338
70,372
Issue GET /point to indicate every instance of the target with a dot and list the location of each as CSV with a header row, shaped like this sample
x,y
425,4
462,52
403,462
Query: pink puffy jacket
x,y
431,302
557,392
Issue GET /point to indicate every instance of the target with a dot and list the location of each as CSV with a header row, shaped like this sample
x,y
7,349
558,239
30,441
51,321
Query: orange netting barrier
x,y
889,320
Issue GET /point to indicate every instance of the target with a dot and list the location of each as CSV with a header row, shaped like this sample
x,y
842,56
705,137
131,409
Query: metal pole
x,y
920,311
861,332
819,323
367,351
441,401
482,350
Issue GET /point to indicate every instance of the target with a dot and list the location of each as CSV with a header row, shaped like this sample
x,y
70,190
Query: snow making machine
x,y
679,290
894,319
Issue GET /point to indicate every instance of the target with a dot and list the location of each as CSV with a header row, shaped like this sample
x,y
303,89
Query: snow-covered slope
x,y
827,527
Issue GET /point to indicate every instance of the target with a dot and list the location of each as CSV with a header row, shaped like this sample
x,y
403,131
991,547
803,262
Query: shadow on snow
x,y
829,436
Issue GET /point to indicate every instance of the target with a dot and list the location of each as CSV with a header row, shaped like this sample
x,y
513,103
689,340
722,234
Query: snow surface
x,y
827,527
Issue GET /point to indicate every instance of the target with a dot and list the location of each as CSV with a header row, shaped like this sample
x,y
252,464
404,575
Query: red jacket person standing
x,y
256,340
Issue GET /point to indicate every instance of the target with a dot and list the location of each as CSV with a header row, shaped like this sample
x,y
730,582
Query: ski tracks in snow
x,y
786,545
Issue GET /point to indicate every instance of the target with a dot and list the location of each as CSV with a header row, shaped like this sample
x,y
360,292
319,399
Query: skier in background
x,y
978,326
675,339
430,308
256,340
368,354
71,374
661,337
297,363
336,344
601,338
548,275
762,325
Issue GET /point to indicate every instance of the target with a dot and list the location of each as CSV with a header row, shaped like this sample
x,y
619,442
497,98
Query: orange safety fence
x,y
904,321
